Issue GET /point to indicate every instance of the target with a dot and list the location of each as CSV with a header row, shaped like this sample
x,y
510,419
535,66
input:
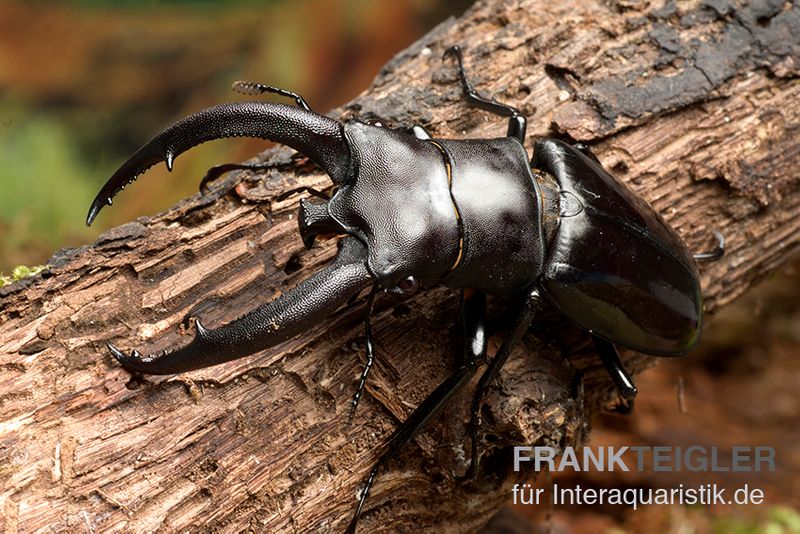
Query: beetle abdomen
x,y
630,280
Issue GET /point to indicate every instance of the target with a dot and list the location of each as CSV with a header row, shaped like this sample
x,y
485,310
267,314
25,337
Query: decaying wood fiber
x,y
694,104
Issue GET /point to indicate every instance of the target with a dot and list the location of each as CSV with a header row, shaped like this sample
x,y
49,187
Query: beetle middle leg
x,y
517,123
473,317
532,304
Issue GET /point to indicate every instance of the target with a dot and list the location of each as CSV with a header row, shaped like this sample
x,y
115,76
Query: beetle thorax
x,y
500,210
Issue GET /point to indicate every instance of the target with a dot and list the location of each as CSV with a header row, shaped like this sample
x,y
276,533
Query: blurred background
x,y
84,83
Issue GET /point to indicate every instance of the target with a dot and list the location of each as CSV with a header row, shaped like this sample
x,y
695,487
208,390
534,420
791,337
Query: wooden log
x,y
694,104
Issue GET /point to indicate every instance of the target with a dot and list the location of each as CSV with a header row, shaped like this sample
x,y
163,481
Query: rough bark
x,y
694,105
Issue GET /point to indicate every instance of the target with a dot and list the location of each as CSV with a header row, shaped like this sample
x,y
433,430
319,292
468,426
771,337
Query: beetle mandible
x,y
472,214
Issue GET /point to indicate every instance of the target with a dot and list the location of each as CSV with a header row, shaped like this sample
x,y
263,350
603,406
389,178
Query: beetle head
x,y
396,199
393,191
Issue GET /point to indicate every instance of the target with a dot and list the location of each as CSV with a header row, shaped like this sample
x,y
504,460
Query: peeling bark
x,y
696,105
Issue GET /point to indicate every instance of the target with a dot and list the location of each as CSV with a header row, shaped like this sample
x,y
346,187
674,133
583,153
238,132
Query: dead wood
x,y
695,105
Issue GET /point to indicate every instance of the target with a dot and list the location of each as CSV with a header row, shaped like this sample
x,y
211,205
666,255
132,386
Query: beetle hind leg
x,y
517,123
611,361
715,254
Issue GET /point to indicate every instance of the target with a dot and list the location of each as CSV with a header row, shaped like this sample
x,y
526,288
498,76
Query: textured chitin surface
x,y
499,208
615,267
398,201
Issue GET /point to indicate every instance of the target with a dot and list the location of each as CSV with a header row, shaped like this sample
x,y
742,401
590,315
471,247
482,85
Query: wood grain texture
x,y
696,105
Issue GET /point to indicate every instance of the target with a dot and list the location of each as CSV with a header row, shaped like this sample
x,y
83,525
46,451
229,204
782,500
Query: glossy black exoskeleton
x,y
472,214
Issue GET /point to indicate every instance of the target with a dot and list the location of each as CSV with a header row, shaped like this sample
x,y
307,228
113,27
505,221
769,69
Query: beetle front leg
x,y
255,88
370,350
517,123
250,88
285,317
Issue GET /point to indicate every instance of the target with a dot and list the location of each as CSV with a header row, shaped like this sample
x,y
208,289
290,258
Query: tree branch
x,y
696,108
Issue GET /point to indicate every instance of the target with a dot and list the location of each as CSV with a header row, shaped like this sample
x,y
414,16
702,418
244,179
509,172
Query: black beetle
x,y
472,214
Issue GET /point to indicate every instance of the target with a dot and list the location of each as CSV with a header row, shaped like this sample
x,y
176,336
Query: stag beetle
x,y
473,214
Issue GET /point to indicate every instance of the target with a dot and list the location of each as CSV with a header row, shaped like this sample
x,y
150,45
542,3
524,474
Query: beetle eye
x,y
408,285
373,119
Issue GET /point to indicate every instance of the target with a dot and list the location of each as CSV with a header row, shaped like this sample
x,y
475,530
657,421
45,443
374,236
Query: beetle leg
x,y
517,123
473,326
715,254
529,309
290,314
473,317
249,88
610,358
370,353
431,406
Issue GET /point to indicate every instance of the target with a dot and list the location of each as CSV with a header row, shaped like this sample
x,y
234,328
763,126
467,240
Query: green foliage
x,y
43,181
20,272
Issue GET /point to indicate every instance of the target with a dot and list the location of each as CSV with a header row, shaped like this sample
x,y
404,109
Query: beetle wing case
x,y
630,280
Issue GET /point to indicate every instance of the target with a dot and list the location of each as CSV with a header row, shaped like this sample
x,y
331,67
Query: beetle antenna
x,y
715,254
255,88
